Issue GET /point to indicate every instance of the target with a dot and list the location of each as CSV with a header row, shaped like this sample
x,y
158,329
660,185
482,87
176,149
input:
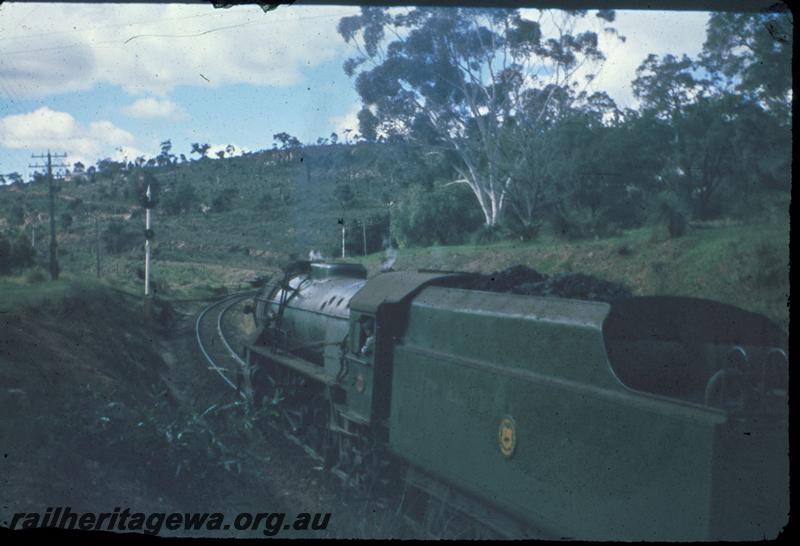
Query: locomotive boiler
x,y
647,418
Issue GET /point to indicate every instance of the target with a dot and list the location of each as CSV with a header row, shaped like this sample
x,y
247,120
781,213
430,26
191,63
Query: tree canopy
x,y
463,80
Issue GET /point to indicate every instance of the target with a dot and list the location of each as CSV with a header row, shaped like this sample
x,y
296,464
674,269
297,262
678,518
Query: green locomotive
x,y
650,418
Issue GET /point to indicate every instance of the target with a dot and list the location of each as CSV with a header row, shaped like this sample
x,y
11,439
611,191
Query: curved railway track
x,y
213,343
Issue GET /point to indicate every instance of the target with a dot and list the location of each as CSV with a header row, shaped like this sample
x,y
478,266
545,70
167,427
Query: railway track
x,y
217,347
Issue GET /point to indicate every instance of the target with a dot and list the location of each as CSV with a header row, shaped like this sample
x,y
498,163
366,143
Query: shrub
x,y
489,234
66,220
15,254
22,253
223,200
581,223
35,276
669,211
17,216
119,237
440,215
5,255
181,200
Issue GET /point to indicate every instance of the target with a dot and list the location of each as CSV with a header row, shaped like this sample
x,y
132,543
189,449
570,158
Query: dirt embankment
x,y
100,409
75,375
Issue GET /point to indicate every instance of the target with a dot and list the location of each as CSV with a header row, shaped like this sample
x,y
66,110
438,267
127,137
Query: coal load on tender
x,y
520,279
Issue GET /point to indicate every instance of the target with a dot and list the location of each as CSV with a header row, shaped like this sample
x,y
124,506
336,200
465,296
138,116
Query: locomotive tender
x,y
649,418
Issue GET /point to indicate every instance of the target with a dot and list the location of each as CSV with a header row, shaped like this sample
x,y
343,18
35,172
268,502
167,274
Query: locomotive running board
x,y
297,364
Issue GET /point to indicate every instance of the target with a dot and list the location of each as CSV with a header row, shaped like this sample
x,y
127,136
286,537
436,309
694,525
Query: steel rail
x,y
233,300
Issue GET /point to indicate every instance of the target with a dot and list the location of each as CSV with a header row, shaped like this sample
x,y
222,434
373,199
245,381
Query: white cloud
x,y
346,121
238,150
151,107
151,49
58,131
645,32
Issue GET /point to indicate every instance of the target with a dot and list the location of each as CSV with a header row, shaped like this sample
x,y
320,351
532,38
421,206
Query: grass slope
x,y
747,266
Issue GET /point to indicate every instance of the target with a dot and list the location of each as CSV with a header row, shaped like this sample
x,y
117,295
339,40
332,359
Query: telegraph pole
x,y
52,205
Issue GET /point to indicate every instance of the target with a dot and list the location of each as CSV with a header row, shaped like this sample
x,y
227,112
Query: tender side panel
x,y
751,480
590,460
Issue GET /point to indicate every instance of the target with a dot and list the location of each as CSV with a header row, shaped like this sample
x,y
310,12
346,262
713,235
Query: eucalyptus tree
x,y
458,78
200,149
728,112
751,55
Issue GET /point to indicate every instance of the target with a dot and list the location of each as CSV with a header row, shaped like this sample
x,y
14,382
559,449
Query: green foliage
x,y
5,255
751,54
344,194
374,230
200,149
120,237
582,223
223,200
287,141
472,100
66,220
36,276
17,215
15,253
440,215
181,200
668,210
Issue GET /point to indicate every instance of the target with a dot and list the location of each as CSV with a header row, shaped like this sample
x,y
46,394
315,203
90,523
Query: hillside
x,y
249,214
271,204
744,265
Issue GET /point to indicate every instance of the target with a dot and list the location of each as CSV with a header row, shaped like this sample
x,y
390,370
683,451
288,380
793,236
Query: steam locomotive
x,y
647,418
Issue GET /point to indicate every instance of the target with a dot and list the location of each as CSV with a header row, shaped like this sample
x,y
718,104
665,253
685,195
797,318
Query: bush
x,y
489,234
344,194
35,276
669,211
181,200
22,253
17,216
581,223
440,215
377,233
119,237
5,255
66,220
223,200
15,255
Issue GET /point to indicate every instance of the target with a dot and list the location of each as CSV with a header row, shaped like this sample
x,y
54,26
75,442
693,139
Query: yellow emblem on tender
x,y
507,436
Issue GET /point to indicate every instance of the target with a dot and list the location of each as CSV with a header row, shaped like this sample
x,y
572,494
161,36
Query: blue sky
x,y
115,80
